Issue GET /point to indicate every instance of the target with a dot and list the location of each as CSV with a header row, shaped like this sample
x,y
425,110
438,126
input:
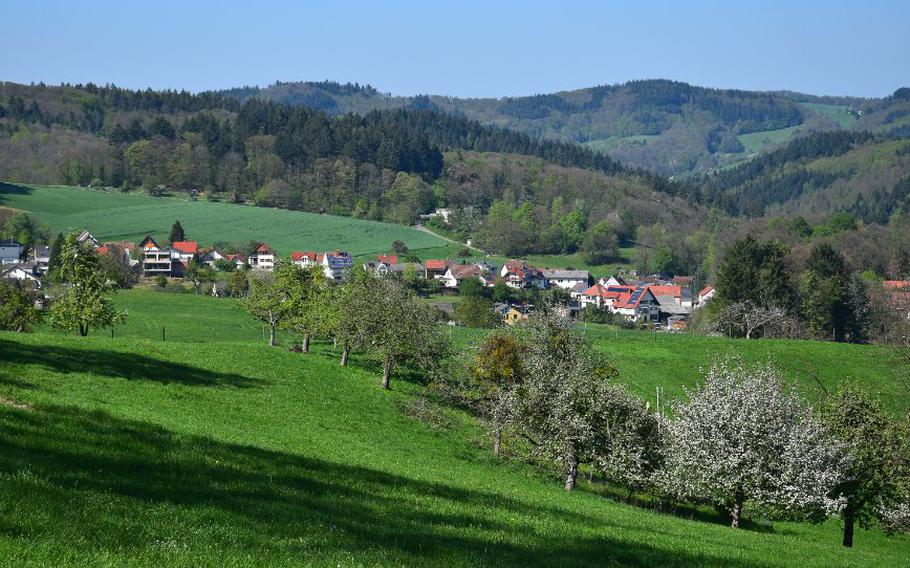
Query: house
x,y
600,296
238,260
262,258
516,314
10,251
156,261
457,273
566,279
667,293
682,281
20,275
706,294
397,269
336,265
306,259
387,259
184,251
440,213
41,258
612,281
519,275
576,291
436,268
638,304
86,237
211,256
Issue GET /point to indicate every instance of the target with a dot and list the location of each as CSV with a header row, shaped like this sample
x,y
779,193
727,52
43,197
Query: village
x,y
658,301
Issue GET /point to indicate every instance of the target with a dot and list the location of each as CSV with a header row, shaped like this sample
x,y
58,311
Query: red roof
x,y
706,290
625,298
675,291
437,264
387,258
297,256
264,249
103,249
186,247
614,292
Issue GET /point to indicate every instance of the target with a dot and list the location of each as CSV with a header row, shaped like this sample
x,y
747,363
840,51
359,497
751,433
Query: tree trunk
x,y
572,470
271,336
83,330
848,528
386,371
737,511
305,347
497,441
344,356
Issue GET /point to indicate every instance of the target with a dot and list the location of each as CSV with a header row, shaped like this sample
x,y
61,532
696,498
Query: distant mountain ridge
x,y
669,127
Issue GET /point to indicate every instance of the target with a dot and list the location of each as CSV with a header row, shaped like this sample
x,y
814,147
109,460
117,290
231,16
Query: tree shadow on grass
x,y
74,477
130,366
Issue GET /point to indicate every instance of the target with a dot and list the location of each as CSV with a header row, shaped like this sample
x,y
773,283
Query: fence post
x,y
163,337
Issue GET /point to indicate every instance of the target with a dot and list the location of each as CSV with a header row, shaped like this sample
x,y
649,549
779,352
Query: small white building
x,y
262,258
705,295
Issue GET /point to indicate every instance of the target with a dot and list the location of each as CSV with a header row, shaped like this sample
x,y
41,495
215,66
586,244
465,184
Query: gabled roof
x,y
633,298
462,271
263,248
388,258
666,290
682,280
297,256
148,243
706,290
186,247
437,264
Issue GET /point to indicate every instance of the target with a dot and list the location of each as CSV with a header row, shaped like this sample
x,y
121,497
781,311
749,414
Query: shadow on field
x,y
74,477
12,189
129,366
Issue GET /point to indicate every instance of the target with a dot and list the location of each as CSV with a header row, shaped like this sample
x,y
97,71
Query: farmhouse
x,y
704,295
436,268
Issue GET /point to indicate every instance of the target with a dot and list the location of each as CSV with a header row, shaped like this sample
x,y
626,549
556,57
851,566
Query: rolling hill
x,y
668,127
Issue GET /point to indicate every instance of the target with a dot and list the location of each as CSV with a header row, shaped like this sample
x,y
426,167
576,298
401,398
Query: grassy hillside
x,y
229,453
115,216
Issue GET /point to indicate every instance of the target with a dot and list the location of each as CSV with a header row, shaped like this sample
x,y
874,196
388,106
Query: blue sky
x,y
463,48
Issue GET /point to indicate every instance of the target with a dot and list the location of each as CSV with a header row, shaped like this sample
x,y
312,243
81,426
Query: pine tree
x,y
177,233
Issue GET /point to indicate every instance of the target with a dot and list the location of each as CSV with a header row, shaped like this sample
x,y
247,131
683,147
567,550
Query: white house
x,y
86,237
184,251
262,258
706,294
211,256
566,279
155,260
21,273
457,273
336,265
10,251
519,275
638,304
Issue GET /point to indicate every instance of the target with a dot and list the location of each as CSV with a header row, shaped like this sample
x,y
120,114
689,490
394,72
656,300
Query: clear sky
x,y
467,48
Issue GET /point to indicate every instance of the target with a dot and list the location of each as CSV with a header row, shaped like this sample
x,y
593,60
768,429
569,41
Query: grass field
x,y
131,451
758,141
838,113
115,216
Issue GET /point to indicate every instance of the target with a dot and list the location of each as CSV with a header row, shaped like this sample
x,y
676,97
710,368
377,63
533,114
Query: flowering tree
x,y
496,369
569,407
741,436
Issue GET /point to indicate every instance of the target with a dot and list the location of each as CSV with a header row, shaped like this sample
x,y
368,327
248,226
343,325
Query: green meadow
x,y
129,216
205,450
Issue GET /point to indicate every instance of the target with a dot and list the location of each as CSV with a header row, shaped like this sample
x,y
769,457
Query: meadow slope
x,y
229,453
116,216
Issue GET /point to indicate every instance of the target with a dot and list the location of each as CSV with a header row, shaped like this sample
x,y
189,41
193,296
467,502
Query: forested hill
x,y
510,192
668,127
865,174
